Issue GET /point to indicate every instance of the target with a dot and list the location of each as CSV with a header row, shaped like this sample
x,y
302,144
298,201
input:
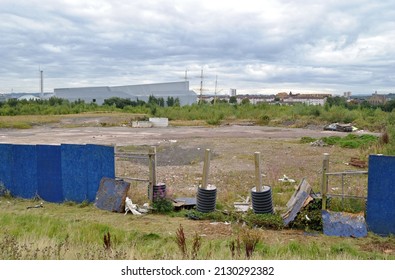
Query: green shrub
x,y
162,205
267,221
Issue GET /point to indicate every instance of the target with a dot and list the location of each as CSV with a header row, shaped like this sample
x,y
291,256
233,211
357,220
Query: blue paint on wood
x,y
49,175
6,164
101,164
343,224
55,172
380,212
74,172
24,171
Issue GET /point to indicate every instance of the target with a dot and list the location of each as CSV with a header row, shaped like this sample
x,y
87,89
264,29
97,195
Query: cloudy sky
x,y
254,46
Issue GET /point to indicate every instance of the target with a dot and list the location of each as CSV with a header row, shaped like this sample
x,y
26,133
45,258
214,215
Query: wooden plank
x,y
324,182
206,168
152,172
258,173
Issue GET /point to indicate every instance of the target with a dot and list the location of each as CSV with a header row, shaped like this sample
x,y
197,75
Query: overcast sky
x,y
254,46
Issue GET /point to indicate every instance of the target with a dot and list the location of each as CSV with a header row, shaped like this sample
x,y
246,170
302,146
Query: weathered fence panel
x,y
24,171
380,213
55,172
49,173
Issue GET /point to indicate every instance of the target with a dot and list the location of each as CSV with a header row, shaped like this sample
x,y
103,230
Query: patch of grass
x,y
352,141
266,221
307,139
16,125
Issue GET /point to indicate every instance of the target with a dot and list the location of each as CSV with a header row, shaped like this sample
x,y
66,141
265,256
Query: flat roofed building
x,y
142,92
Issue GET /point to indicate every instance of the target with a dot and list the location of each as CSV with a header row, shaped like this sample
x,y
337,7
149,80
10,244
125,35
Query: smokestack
x,y
41,84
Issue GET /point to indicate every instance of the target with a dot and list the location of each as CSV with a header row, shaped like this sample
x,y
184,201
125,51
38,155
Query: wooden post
x,y
152,172
258,173
206,167
324,182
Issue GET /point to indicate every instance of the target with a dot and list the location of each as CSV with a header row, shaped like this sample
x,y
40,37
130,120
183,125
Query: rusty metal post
x,y
324,182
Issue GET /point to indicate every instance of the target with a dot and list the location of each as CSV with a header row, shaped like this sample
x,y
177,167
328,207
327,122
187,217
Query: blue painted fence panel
x,y
55,173
101,164
24,171
74,159
49,173
380,212
6,162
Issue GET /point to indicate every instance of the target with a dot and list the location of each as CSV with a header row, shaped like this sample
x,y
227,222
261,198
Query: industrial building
x,y
142,92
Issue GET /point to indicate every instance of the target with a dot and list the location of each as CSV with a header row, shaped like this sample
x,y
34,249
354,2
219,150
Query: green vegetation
x,y
26,114
67,231
351,141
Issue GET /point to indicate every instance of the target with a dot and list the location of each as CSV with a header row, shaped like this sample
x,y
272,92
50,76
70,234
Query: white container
x,y
159,122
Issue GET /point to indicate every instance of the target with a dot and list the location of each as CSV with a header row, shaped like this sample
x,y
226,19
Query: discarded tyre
x,y
206,199
262,201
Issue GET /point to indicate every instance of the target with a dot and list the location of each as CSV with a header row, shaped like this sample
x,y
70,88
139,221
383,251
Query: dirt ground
x,y
180,152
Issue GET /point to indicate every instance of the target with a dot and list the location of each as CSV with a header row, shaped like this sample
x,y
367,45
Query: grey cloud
x,y
331,45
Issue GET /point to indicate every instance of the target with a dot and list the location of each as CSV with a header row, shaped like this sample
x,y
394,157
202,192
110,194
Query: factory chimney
x,y
41,84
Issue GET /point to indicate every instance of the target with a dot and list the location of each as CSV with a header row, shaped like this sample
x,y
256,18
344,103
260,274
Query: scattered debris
x,y
285,179
299,199
129,206
111,195
184,203
318,143
242,206
217,223
358,163
343,224
340,127
36,206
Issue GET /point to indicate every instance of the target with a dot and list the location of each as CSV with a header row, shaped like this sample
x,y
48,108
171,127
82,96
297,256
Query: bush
x,y
162,205
267,221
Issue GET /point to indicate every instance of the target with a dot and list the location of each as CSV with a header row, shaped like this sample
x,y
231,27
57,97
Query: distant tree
x,y
152,100
119,102
177,102
233,100
245,101
170,101
53,101
336,101
389,106
12,102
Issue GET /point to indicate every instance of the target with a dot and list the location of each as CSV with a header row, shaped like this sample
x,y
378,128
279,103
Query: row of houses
x,y
279,98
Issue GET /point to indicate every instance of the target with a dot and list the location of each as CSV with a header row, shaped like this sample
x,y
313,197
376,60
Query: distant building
x,y
232,92
29,97
377,99
309,99
256,98
142,92
25,96
347,95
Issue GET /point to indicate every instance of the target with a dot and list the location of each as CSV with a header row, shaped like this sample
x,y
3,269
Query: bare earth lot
x,y
180,152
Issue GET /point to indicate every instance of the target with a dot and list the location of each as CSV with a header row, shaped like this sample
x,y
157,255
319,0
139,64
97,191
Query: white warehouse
x,y
142,92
